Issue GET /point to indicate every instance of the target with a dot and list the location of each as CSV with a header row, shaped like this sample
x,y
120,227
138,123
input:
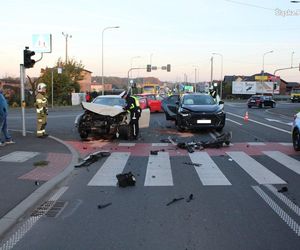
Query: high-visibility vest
x,y
137,103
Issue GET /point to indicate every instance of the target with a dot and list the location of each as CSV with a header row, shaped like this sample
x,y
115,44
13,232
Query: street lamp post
x,y
263,65
66,37
221,84
113,27
292,58
211,70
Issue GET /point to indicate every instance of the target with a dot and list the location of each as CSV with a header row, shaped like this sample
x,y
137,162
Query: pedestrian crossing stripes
x,y
256,170
208,172
159,172
106,175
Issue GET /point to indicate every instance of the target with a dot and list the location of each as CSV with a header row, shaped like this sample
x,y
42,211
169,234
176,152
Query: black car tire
x,y
168,117
261,105
273,105
249,106
83,134
219,129
178,125
296,140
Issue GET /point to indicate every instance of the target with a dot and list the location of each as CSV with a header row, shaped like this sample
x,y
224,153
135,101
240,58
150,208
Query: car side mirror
x,y
221,102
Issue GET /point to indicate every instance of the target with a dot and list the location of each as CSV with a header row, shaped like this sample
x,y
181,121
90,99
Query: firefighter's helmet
x,y
41,87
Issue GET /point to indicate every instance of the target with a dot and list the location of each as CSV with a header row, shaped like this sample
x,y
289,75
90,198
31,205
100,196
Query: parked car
x,y
261,101
196,111
296,132
105,116
154,102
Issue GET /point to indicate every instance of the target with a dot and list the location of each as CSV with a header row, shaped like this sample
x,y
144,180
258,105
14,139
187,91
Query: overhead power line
x,y
250,5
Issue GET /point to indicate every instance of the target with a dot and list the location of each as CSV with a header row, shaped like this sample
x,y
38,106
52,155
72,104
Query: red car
x,y
153,102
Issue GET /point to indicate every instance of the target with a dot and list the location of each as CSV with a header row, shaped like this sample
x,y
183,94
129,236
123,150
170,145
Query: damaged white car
x,y
105,116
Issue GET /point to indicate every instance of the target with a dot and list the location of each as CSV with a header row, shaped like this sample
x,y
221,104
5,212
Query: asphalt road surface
x,y
235,200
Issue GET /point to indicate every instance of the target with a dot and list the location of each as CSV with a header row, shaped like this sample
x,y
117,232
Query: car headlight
x,y
221,112
184,112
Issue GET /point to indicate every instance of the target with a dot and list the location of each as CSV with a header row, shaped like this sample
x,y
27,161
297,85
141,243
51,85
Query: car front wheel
x,y
273,105
296,140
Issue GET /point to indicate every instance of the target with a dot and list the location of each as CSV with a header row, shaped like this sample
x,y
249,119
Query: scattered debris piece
x,y
171,140
230,159
175,200
90,159
84,147
165,140
193,164
36,183
282,190
191,197
104,205
153,176
218,142
41,163
126,179
155,152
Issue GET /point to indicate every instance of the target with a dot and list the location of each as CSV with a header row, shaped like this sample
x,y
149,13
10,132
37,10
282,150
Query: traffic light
x,y
148,67
168,67
28,62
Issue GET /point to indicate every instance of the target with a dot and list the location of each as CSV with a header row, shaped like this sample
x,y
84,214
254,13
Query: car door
x,y
170,105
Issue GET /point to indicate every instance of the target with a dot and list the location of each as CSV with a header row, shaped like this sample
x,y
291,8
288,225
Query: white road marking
x,y
284,199
256,170
29,223
260,123
278,210
208,171
256,143
126,144
159,171
274,120
106,175
160,144
18,156
285,160
286,144
227,119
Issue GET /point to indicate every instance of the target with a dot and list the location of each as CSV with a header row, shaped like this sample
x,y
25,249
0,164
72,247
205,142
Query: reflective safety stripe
x,y
39,110
40,120
41,100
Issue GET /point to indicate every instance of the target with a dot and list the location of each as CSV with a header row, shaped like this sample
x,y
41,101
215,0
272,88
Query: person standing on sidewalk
x,y
41,110
3,120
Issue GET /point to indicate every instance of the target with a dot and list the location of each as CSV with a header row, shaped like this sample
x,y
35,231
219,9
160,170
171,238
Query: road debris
x,y
192,164
282,190
126,179
155,152
104,205
41,163
175,200
217,142
92,158
191,197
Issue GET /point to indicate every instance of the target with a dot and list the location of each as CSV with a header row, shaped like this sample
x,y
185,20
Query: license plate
x,y
252,101
203,121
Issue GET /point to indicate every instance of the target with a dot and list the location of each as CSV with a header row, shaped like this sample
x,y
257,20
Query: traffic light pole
x,y
22,79
281,70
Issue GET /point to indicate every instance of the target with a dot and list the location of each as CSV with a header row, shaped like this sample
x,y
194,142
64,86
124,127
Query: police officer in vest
x,y
132,106
41,110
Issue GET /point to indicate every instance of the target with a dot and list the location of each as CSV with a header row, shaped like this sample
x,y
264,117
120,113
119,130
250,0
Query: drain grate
x,y
49,208
56,209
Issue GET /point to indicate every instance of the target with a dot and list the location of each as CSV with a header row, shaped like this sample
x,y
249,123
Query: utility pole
x,y
211,70
66,37
22,78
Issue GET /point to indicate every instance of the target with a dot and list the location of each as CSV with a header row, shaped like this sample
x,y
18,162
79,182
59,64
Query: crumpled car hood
x,y
102,109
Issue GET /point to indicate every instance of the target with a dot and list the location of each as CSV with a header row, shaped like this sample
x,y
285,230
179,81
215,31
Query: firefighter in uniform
x,y
41,110
132,106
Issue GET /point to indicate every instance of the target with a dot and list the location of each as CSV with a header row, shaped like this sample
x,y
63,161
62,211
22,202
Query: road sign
x,y
42,43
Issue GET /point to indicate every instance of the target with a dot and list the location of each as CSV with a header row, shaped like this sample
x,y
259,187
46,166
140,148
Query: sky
x,y
183,33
